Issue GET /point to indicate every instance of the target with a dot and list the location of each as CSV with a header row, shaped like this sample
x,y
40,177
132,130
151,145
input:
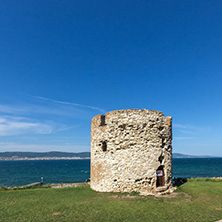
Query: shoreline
x,y
75,184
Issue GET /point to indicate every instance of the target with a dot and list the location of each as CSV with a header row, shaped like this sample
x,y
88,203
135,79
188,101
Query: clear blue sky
x,y
63,62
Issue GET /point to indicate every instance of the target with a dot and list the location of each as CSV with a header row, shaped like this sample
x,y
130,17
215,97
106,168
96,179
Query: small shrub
x,y
3,188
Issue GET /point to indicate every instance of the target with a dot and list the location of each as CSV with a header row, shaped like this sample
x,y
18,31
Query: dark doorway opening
x,y
160,177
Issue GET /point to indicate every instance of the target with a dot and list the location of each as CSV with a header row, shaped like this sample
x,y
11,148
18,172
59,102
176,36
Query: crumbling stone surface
x,y
127,149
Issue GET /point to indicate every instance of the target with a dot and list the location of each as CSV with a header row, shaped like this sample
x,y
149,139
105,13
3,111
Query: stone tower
x,y
131,151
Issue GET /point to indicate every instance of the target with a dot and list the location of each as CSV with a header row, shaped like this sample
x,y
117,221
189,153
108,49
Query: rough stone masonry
x,y
131,151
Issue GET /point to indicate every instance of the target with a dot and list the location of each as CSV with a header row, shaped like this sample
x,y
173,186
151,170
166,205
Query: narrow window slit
x,y
104,146
161,159
103,120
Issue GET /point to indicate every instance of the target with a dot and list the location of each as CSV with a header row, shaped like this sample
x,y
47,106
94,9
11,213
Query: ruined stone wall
x,y
127,148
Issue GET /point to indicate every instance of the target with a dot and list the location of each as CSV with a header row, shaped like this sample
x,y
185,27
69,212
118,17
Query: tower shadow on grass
x,y
178,181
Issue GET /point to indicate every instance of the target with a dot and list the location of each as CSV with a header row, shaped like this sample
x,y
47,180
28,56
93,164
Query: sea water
x,y
22,172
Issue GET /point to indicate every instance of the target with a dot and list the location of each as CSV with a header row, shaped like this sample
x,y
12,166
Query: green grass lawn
x,y
196,200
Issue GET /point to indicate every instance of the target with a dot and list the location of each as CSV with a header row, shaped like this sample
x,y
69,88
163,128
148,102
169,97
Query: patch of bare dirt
x,y
56,213
170,195
122,197
184,196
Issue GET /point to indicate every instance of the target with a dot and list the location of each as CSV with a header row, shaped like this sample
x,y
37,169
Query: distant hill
x,y
180,155
45,154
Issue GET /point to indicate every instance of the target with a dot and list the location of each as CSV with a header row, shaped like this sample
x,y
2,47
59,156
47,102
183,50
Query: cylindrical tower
x,y
131,151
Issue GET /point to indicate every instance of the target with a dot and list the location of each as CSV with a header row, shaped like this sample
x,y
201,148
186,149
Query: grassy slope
x,y
196,201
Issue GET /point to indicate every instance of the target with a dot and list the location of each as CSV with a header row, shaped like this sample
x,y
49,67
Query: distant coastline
x,y
183,156
42,158
54,155
70,156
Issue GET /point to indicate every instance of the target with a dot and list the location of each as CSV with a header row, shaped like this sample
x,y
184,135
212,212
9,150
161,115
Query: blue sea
x,y
22,172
